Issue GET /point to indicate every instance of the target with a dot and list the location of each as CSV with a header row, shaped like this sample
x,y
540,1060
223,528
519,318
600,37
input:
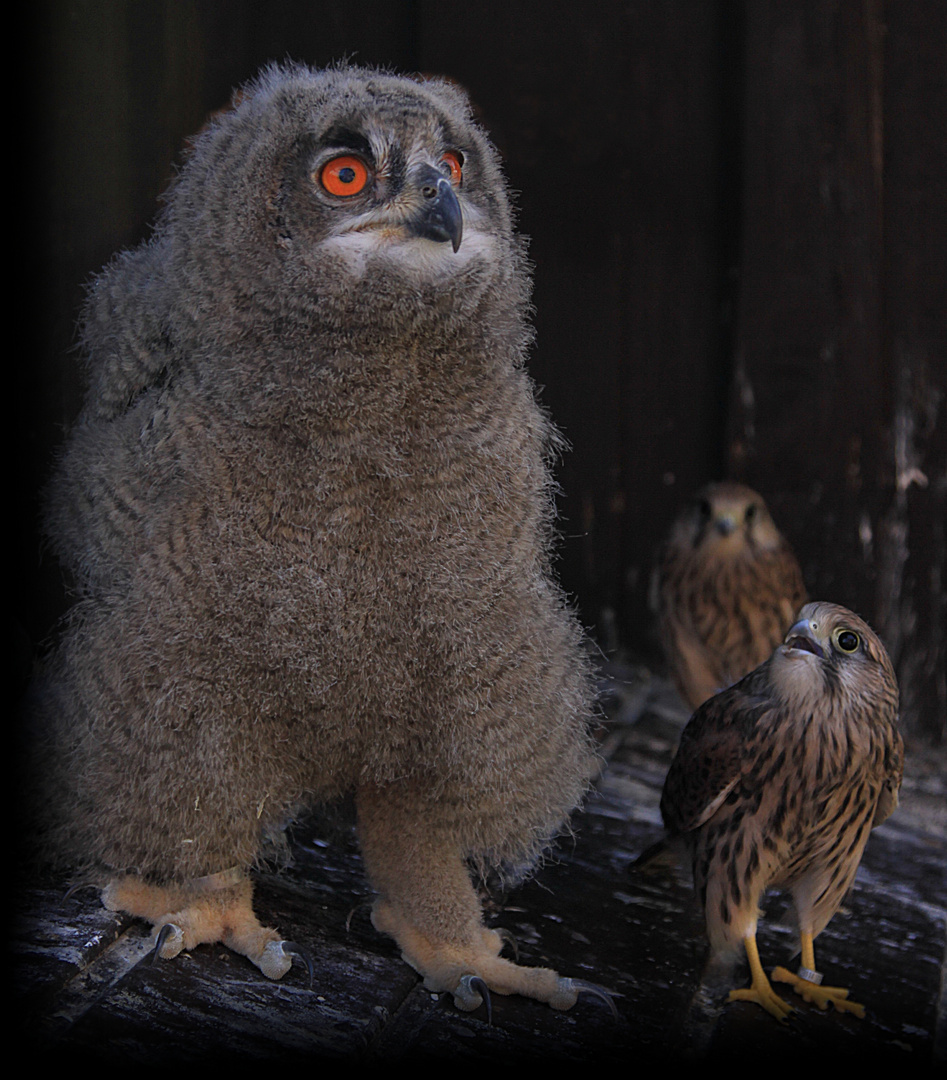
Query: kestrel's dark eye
x,y
847,640
345,175
750,512
452,164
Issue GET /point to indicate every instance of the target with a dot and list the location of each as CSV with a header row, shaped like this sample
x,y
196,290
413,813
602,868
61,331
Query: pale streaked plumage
x,y
779,779
728,587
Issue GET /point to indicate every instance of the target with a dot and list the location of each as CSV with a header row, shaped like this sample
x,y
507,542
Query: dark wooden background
x,y
738,221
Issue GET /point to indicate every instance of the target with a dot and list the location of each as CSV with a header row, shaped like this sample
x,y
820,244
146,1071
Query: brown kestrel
x,y
778,781
728,588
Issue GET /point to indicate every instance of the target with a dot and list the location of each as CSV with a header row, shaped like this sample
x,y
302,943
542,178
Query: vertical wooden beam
x,y
837,407
810,424
911,537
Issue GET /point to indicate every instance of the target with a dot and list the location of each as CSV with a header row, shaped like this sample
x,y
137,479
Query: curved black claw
x,y
471,987
73,889
508,939
582,986
348,918
163,934
293,950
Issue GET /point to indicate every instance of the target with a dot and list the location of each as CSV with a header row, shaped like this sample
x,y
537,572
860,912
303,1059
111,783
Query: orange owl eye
x,y
344,175
451,161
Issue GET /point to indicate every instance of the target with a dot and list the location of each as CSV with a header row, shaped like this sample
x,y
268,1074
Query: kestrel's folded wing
x,y
894,764
708,763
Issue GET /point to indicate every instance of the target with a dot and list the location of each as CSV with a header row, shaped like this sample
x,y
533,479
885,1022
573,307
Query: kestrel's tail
x,y
661,855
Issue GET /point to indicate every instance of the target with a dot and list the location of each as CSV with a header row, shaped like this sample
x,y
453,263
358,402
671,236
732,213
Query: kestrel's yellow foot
x,y
759,990
823,996
466,970
219,909
763,994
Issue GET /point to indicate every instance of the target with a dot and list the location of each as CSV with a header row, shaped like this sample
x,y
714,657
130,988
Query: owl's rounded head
x,y
725,519
342,219
347,200
343,171
829,649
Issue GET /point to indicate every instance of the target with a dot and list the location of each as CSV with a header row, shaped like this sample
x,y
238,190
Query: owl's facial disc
x,y
425,207
382,194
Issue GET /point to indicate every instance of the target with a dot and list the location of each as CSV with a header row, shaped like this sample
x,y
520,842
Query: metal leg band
x,y
809,975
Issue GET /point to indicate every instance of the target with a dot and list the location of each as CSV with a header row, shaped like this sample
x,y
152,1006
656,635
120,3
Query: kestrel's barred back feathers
x,y
779,779
728,587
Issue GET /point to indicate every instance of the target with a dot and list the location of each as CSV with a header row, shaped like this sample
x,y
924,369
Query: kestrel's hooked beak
x,y
726,524
801,636
439,217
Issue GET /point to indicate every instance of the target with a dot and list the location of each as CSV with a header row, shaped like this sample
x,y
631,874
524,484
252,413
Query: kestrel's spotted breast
x,y
728,588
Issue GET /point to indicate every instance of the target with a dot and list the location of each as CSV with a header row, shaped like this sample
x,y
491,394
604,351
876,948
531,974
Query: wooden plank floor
x,y
86,988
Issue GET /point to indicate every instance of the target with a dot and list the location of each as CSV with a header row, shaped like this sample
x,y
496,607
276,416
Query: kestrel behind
x,y
728,588
778,781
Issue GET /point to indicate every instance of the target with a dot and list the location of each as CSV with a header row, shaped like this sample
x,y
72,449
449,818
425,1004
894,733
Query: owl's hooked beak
x,y
439,217
801,636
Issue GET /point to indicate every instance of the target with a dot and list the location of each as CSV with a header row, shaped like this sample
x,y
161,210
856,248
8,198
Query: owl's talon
x,y
508,939
78,887
274,960
168,942
291,949
471,992
358,907
581,986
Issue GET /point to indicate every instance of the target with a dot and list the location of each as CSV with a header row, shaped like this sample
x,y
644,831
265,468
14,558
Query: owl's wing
x,y
708,762
125,332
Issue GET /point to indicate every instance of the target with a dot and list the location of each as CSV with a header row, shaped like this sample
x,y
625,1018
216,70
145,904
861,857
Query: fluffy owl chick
x,y
728,587
778,781
308,505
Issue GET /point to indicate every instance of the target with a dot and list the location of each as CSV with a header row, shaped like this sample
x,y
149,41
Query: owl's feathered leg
x,y
428,904
807,982
759,989
201,913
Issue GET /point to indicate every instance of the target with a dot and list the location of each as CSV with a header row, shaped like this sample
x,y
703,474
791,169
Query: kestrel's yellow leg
x,y
806,983
759,989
